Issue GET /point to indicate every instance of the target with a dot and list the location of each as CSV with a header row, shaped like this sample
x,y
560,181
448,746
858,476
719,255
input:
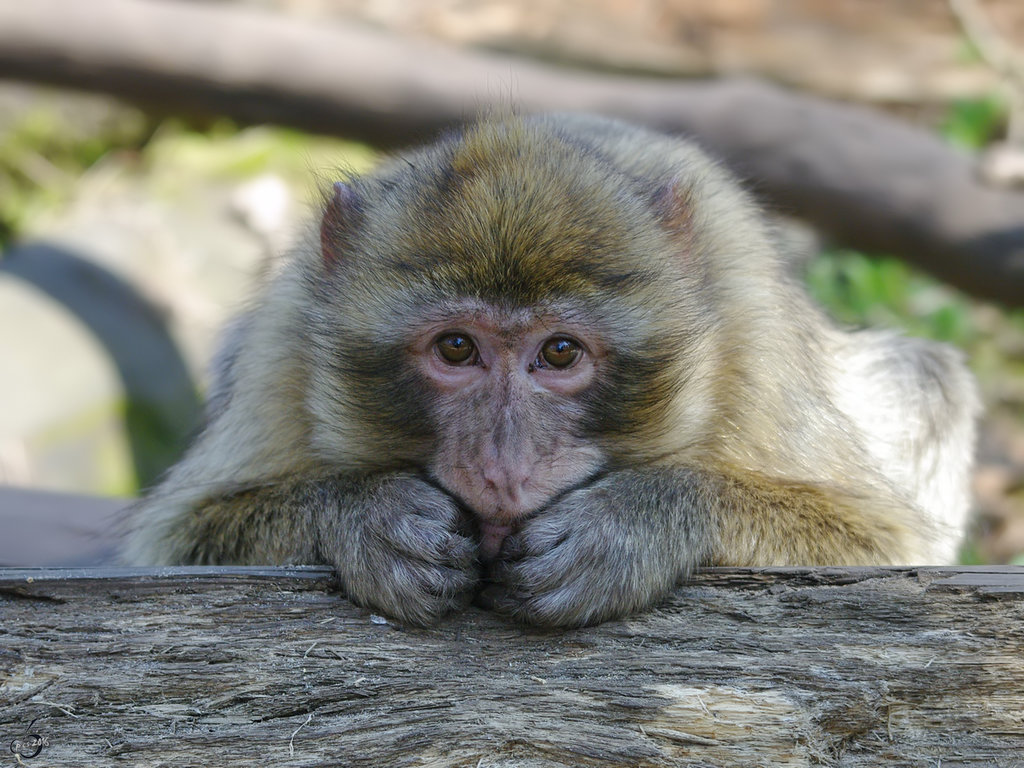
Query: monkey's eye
x,y
455,348
559,352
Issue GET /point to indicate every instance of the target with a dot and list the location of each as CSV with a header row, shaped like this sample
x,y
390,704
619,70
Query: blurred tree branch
x,y
867,180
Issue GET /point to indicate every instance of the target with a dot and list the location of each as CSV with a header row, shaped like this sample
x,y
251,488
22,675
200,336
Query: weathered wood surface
x,y
264,666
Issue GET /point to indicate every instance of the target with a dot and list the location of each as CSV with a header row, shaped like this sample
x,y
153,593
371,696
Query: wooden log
x,y
741,667
46,528
865,179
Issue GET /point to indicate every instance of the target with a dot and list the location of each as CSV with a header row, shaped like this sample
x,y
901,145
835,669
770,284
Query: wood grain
x,y
272,666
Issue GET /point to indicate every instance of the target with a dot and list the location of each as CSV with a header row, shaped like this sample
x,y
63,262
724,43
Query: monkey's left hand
x,y
601,552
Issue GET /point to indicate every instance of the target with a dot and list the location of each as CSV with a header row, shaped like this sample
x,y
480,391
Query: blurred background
x,y
144,195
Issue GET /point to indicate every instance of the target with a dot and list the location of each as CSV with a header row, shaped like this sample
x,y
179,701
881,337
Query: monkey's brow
x,y
505,317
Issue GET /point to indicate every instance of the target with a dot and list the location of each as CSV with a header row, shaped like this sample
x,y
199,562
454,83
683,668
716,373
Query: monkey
x,y
552,364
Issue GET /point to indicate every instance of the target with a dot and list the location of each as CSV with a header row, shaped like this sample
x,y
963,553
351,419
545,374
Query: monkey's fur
x,y
707,414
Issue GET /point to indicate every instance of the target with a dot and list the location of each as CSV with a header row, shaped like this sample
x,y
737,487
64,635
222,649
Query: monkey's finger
x,y
453,587
499,599
536,538
574,605
428,540
565,607
513,548
417,593
508,585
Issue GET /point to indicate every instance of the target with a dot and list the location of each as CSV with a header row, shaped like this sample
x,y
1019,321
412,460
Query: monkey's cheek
x,y
492,536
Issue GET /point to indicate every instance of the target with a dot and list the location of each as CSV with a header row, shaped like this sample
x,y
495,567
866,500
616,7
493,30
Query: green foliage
x,y
861,291
178,155
969,554
42,155
975,123
44,152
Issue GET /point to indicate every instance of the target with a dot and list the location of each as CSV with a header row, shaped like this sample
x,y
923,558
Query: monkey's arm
x,y
398,543
620,545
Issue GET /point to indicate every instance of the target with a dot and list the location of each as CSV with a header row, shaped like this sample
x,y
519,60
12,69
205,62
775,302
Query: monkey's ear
x,y
674,204
341,215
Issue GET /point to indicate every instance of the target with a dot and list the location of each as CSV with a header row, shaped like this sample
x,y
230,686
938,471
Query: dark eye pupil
x,y
560,353
455,348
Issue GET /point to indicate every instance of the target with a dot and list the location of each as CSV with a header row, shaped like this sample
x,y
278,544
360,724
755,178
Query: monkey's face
x,y
508,409
508,315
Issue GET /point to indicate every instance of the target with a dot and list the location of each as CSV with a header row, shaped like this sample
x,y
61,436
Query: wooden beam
x,y
271,666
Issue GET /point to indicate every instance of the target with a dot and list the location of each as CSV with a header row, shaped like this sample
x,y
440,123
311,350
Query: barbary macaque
x,y
555,363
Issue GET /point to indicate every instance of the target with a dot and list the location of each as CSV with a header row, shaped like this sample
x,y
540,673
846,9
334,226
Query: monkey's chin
x,y
492,536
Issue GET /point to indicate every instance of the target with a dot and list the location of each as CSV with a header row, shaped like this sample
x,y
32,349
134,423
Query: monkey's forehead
x,y
520,229
522,278
513,252
521,210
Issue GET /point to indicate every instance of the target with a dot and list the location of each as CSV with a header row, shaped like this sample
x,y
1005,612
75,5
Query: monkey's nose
x,y
508,484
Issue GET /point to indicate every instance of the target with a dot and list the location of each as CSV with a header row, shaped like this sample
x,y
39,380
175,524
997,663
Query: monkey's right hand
x,y
399,545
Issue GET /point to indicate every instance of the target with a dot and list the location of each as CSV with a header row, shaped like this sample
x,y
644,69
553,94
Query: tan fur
x,y
763,436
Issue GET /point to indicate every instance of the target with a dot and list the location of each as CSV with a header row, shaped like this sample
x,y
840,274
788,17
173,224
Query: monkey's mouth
x,y
492,535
